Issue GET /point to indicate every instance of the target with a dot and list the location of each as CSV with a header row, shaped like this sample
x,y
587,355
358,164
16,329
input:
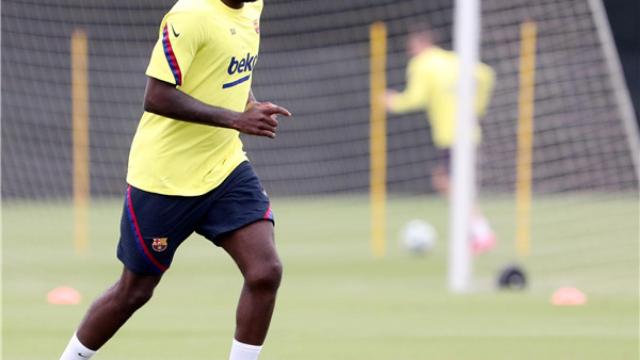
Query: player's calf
x,y
108,313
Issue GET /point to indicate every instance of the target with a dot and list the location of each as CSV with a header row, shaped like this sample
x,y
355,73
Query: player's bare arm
x,y
388,98
258,119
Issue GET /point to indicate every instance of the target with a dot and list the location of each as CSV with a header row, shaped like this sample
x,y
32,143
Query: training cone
x,y
568,296
64,295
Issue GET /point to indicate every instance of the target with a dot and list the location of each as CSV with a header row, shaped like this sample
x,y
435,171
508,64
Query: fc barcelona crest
x,y
256,24
160,244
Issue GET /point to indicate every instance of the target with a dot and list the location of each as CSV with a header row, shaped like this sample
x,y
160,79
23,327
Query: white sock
x,y
240,351
76,351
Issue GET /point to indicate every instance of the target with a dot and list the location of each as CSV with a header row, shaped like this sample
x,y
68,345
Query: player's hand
x,y
389,97
260,119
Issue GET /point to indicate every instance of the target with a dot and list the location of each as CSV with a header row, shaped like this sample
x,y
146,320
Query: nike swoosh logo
x,y
174,32
83,356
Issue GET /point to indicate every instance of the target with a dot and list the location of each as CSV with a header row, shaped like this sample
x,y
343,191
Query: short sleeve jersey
x,y
209,51
432,77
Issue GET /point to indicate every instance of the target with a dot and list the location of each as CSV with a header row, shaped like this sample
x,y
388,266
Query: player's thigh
x,y
253,247
131,283
443,162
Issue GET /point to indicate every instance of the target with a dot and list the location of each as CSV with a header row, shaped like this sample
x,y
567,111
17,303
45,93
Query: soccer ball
x,y
418,237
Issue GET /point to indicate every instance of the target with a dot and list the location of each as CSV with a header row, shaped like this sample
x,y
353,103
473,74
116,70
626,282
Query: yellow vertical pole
x,y
525,137
378,139
80,135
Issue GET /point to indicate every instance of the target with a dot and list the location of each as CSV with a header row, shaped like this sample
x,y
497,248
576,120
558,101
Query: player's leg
x,y
109,312
240,221
482,236
149,237
440,180
253,249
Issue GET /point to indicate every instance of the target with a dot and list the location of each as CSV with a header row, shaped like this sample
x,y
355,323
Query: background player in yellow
x,y
432,75
188,173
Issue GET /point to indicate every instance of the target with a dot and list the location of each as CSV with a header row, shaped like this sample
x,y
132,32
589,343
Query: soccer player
x,y
432,75
188,173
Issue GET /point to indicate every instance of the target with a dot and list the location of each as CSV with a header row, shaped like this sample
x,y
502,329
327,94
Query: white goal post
x,y
596,42
466,44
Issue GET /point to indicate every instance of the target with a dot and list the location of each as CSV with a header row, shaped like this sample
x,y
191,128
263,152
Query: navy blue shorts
x,y
154,225
443,158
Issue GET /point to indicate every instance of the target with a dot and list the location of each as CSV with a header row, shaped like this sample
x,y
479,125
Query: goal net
x,y
315,61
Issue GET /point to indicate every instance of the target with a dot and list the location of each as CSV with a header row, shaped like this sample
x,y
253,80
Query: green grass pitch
x,y
336,302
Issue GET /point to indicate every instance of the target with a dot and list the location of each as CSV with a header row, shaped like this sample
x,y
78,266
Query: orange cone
x,y
64,295
568,296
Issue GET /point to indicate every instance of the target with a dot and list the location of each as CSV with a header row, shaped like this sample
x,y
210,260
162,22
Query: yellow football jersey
x,y
209,51
431,86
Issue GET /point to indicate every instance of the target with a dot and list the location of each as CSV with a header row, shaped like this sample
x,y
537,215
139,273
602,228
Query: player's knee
x,y
265,277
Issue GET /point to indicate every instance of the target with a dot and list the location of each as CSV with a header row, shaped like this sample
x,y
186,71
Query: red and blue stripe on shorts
x,y
137,234
268,215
